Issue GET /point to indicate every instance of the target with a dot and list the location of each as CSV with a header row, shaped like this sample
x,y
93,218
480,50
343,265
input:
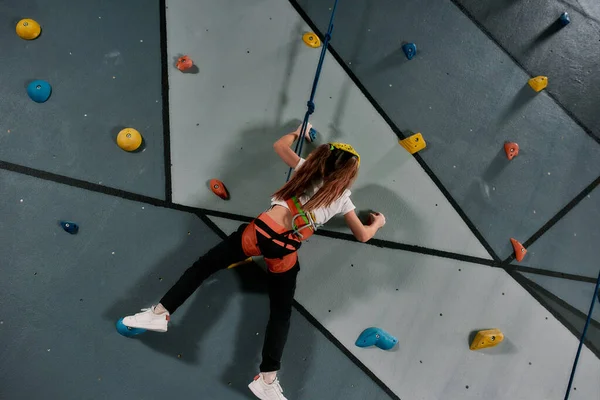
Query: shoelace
x,y
277,385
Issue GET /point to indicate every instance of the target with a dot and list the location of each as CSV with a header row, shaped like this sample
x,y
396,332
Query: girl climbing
x,y
317,191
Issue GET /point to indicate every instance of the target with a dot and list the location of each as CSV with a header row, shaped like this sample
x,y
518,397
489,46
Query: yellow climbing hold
x,y
538,83
487,338
413,143
311,39
129,139
28,29
246,261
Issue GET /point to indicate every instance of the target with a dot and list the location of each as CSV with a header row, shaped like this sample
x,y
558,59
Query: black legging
x,y
281,287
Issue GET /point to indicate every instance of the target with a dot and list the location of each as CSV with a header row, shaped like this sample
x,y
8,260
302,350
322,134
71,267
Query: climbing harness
x,y
310,103
595,297
308,219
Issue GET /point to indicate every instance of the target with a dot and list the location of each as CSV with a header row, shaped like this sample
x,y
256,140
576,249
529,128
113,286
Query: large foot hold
x,y
127,331
376,337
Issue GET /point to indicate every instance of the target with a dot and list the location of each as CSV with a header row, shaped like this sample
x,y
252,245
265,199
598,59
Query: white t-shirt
x,y
342,205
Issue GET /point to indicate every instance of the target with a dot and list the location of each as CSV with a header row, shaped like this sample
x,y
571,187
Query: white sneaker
x,y
148,320
264,391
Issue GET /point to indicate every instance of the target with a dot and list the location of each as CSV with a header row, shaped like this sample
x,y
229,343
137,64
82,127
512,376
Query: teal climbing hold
x,y
564,19
127,331
39,91
410,50
376,337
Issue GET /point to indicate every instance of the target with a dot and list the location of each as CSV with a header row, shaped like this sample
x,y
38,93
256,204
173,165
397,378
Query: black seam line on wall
x,y
531,288
165,101
308,316
321,328
387,244
546,272
398,133
481,27
560,301
203,213
557,217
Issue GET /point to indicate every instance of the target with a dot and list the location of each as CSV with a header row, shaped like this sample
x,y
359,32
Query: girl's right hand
x,y
378,220
307,134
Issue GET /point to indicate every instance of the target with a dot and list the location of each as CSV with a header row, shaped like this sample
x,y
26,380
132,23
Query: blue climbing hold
x,y
410,50
376,337
564,19
312,134
39,91
70,227
127,331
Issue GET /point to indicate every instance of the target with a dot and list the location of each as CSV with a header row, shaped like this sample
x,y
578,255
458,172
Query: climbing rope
x,y
587,323
310,103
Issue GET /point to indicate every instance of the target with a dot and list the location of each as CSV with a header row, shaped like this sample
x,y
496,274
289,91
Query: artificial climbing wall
x,y
432,274
430,277
62,293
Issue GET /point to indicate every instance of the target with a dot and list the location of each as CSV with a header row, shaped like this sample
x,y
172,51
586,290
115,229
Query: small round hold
x,y
184,63
127,331
28,29
129,139
311,40
410,50
564,19
39,91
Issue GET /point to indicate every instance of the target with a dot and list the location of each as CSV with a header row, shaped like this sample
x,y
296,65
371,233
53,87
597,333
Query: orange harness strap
x,y
303,229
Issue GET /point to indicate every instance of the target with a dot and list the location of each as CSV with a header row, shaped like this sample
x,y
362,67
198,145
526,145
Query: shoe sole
x,y
254,391
257,394
152,328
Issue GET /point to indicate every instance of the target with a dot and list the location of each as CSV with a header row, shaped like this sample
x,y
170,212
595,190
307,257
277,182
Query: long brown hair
x,y
336,168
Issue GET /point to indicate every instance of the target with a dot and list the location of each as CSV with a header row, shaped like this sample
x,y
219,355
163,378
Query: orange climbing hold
x,y
511,149
184,63
219,189
520,251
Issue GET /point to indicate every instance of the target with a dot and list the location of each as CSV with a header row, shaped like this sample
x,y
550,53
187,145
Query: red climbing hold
x,y
511,149
184,63
219,189
520,251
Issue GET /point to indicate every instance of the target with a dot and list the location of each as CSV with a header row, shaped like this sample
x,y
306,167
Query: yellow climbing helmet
x,y
345,147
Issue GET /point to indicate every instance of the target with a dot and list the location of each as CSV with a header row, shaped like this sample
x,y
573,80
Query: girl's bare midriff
x,y
281,215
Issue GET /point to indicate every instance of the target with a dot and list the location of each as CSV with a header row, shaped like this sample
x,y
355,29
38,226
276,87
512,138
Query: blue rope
x,y
587,323
310,103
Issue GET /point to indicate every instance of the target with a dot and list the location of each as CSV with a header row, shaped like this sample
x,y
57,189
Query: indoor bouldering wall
x,y
441,269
